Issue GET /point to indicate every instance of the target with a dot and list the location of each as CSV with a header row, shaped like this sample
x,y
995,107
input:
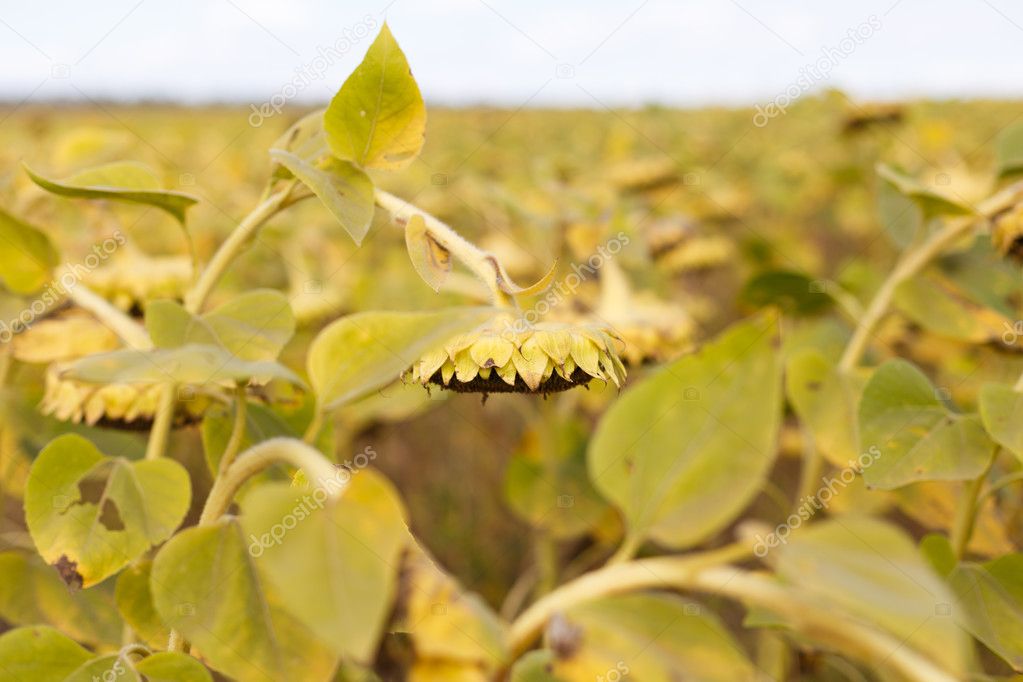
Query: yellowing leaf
x,y
430,259
378,118
27,258
89,515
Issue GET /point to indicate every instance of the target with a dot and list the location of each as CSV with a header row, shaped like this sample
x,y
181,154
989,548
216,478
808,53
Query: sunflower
x,y
510,355
135,278
68,335
124,406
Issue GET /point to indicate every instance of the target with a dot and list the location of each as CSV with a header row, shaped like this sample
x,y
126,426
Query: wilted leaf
x,y
918,437
206,585
125,181
992,598
826,400
378,119
192,364
90,515
332,558
650,637
431,260
873,572
363,352
40,654
27,257
683,452
930,201
447,624
1001,409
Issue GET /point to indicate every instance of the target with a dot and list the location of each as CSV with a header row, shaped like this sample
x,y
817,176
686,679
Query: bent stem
x,y
705,573
481,263
254,460
233,245
912,261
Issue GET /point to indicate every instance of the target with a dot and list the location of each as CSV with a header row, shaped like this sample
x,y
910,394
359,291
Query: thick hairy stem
x,y
257,458
233,245
703,573
481,263
129,331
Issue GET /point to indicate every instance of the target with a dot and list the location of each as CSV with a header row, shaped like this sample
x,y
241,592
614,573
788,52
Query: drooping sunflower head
x,y
123,406
135,278
510,355
652,330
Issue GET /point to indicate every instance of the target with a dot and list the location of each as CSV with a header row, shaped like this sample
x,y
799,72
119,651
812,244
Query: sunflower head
x,y
653,330
65,336
132,280
510,355
123,406
1007,233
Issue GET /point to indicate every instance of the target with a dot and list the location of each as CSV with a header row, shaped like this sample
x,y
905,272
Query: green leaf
x,y
125,181
930,201
873,572
31,592
900,216
344,189
683,452
135,604
361,353
255,325
193,364
826,401
1009,150
938,552
378,118
918,437
535,666
167,666
793,292
546,482
429,258
991,597
938,304
206,585
650,637
305,139
90,515
39,654
1001,409
332,558
261,423
110,667
27,257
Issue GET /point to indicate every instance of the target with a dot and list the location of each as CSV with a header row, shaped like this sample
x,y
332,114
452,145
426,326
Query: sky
x,y
513,53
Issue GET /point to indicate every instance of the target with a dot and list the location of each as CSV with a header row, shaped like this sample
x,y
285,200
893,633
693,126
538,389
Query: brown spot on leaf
x,y
563,637
68,572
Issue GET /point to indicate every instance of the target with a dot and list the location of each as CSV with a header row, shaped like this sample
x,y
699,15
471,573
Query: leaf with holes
x,y
89,514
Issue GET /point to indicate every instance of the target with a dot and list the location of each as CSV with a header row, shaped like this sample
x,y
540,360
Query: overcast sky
x,y
513,52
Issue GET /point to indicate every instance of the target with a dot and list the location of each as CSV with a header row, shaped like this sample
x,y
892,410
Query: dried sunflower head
x,y
652,330
135,278
1007,233
510,355
125,406
69,335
